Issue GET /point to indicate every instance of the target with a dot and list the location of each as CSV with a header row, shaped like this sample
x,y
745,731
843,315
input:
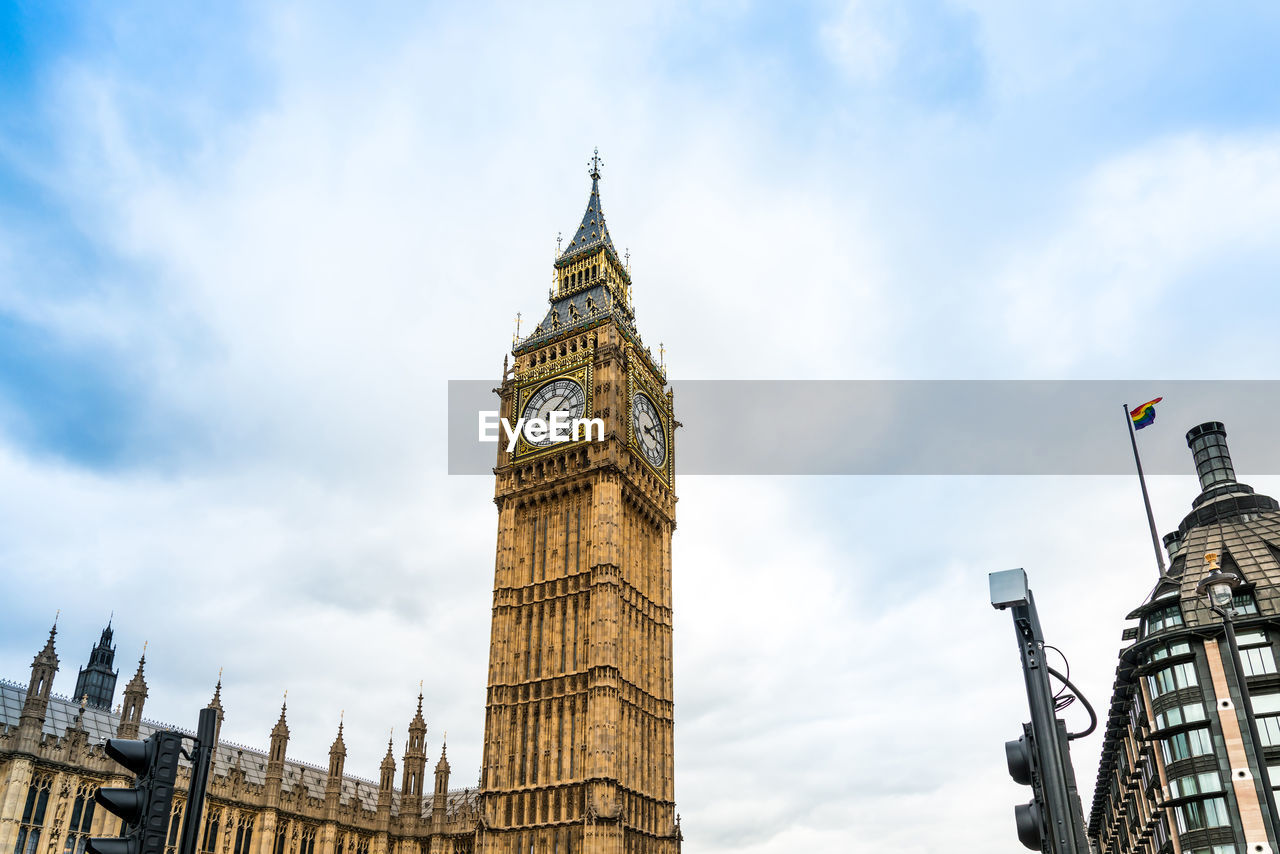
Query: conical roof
x,y
592,232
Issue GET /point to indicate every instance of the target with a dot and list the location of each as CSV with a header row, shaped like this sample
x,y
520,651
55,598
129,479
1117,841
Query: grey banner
x,y
927,427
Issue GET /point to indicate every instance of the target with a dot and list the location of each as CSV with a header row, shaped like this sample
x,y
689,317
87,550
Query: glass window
x,y
1195,784
1258,660
1178,648
1189,713
1266,703
1172,678
1162,618
81,819
1197,815
1244,603
33,815
175,824
211,822
1196,742
1269,730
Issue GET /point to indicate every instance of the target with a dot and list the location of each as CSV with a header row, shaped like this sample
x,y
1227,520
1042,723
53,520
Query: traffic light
x,y
1024,768
144,809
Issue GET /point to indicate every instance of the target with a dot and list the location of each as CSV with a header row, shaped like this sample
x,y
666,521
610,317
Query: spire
x,y
49,654
388,770
216,702
279,739
443,764
43,668
282,725
337,758
135,694
96,681
216,705
441,798
339,747
415,753
592,232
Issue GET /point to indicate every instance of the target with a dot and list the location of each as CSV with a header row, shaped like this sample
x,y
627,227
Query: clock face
x,y
650,436
564,396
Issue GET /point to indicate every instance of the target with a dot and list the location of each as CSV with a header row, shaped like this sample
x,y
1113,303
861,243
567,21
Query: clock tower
x,y
578,748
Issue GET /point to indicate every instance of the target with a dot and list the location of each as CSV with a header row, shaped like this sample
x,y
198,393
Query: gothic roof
x,y
101,724
592,233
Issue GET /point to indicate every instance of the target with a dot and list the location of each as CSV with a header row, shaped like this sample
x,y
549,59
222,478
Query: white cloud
x,y
1105,280
291,287
858,43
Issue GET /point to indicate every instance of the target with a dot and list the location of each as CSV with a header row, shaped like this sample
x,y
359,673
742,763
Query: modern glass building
x,y
1180,770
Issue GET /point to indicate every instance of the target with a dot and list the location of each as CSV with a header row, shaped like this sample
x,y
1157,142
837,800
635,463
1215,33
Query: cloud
x,y
1145,231
256,268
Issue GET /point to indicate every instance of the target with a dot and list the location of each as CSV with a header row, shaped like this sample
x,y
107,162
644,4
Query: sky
x,y
245,248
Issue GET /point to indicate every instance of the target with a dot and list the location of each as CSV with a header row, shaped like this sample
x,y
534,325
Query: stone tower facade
x,y
578,749
96,683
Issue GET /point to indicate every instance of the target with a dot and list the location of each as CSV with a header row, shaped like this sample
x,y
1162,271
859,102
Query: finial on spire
x,y
662,355
559,237
56,615
595,164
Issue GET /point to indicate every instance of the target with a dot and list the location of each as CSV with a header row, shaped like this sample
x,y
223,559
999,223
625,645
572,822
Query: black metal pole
x,y
1264,776
1066,824
202,758
1146,499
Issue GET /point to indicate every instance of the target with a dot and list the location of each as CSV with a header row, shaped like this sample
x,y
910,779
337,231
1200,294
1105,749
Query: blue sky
x,y
243,250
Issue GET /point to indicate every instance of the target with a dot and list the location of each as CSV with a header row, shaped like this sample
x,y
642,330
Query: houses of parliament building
x,y
578,741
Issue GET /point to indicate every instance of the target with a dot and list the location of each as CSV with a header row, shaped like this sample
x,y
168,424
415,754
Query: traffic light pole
x,y
1064,824
201,760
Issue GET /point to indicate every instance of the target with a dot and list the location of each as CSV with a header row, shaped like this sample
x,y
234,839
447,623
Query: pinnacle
x,y
592,231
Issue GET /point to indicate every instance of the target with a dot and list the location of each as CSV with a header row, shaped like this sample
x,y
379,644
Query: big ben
x,y
578,749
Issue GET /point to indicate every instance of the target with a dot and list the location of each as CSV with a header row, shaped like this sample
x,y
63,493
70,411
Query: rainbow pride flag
x,y
1144,414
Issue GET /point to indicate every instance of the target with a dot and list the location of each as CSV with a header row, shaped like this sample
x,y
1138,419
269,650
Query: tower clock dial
x,y
647,425
564,396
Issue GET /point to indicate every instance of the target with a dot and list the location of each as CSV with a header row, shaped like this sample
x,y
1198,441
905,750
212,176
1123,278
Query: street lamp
x,y
1219,589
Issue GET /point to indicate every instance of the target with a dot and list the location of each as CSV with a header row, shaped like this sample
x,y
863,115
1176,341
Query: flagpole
x,y
1146,499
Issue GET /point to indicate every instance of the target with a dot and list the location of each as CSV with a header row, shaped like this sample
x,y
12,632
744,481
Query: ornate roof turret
x,y
333,785
339,747
48,657
593,284
279,735
216,705
135,694
43,668
440,800
417,733
387,780
415,758
96,682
